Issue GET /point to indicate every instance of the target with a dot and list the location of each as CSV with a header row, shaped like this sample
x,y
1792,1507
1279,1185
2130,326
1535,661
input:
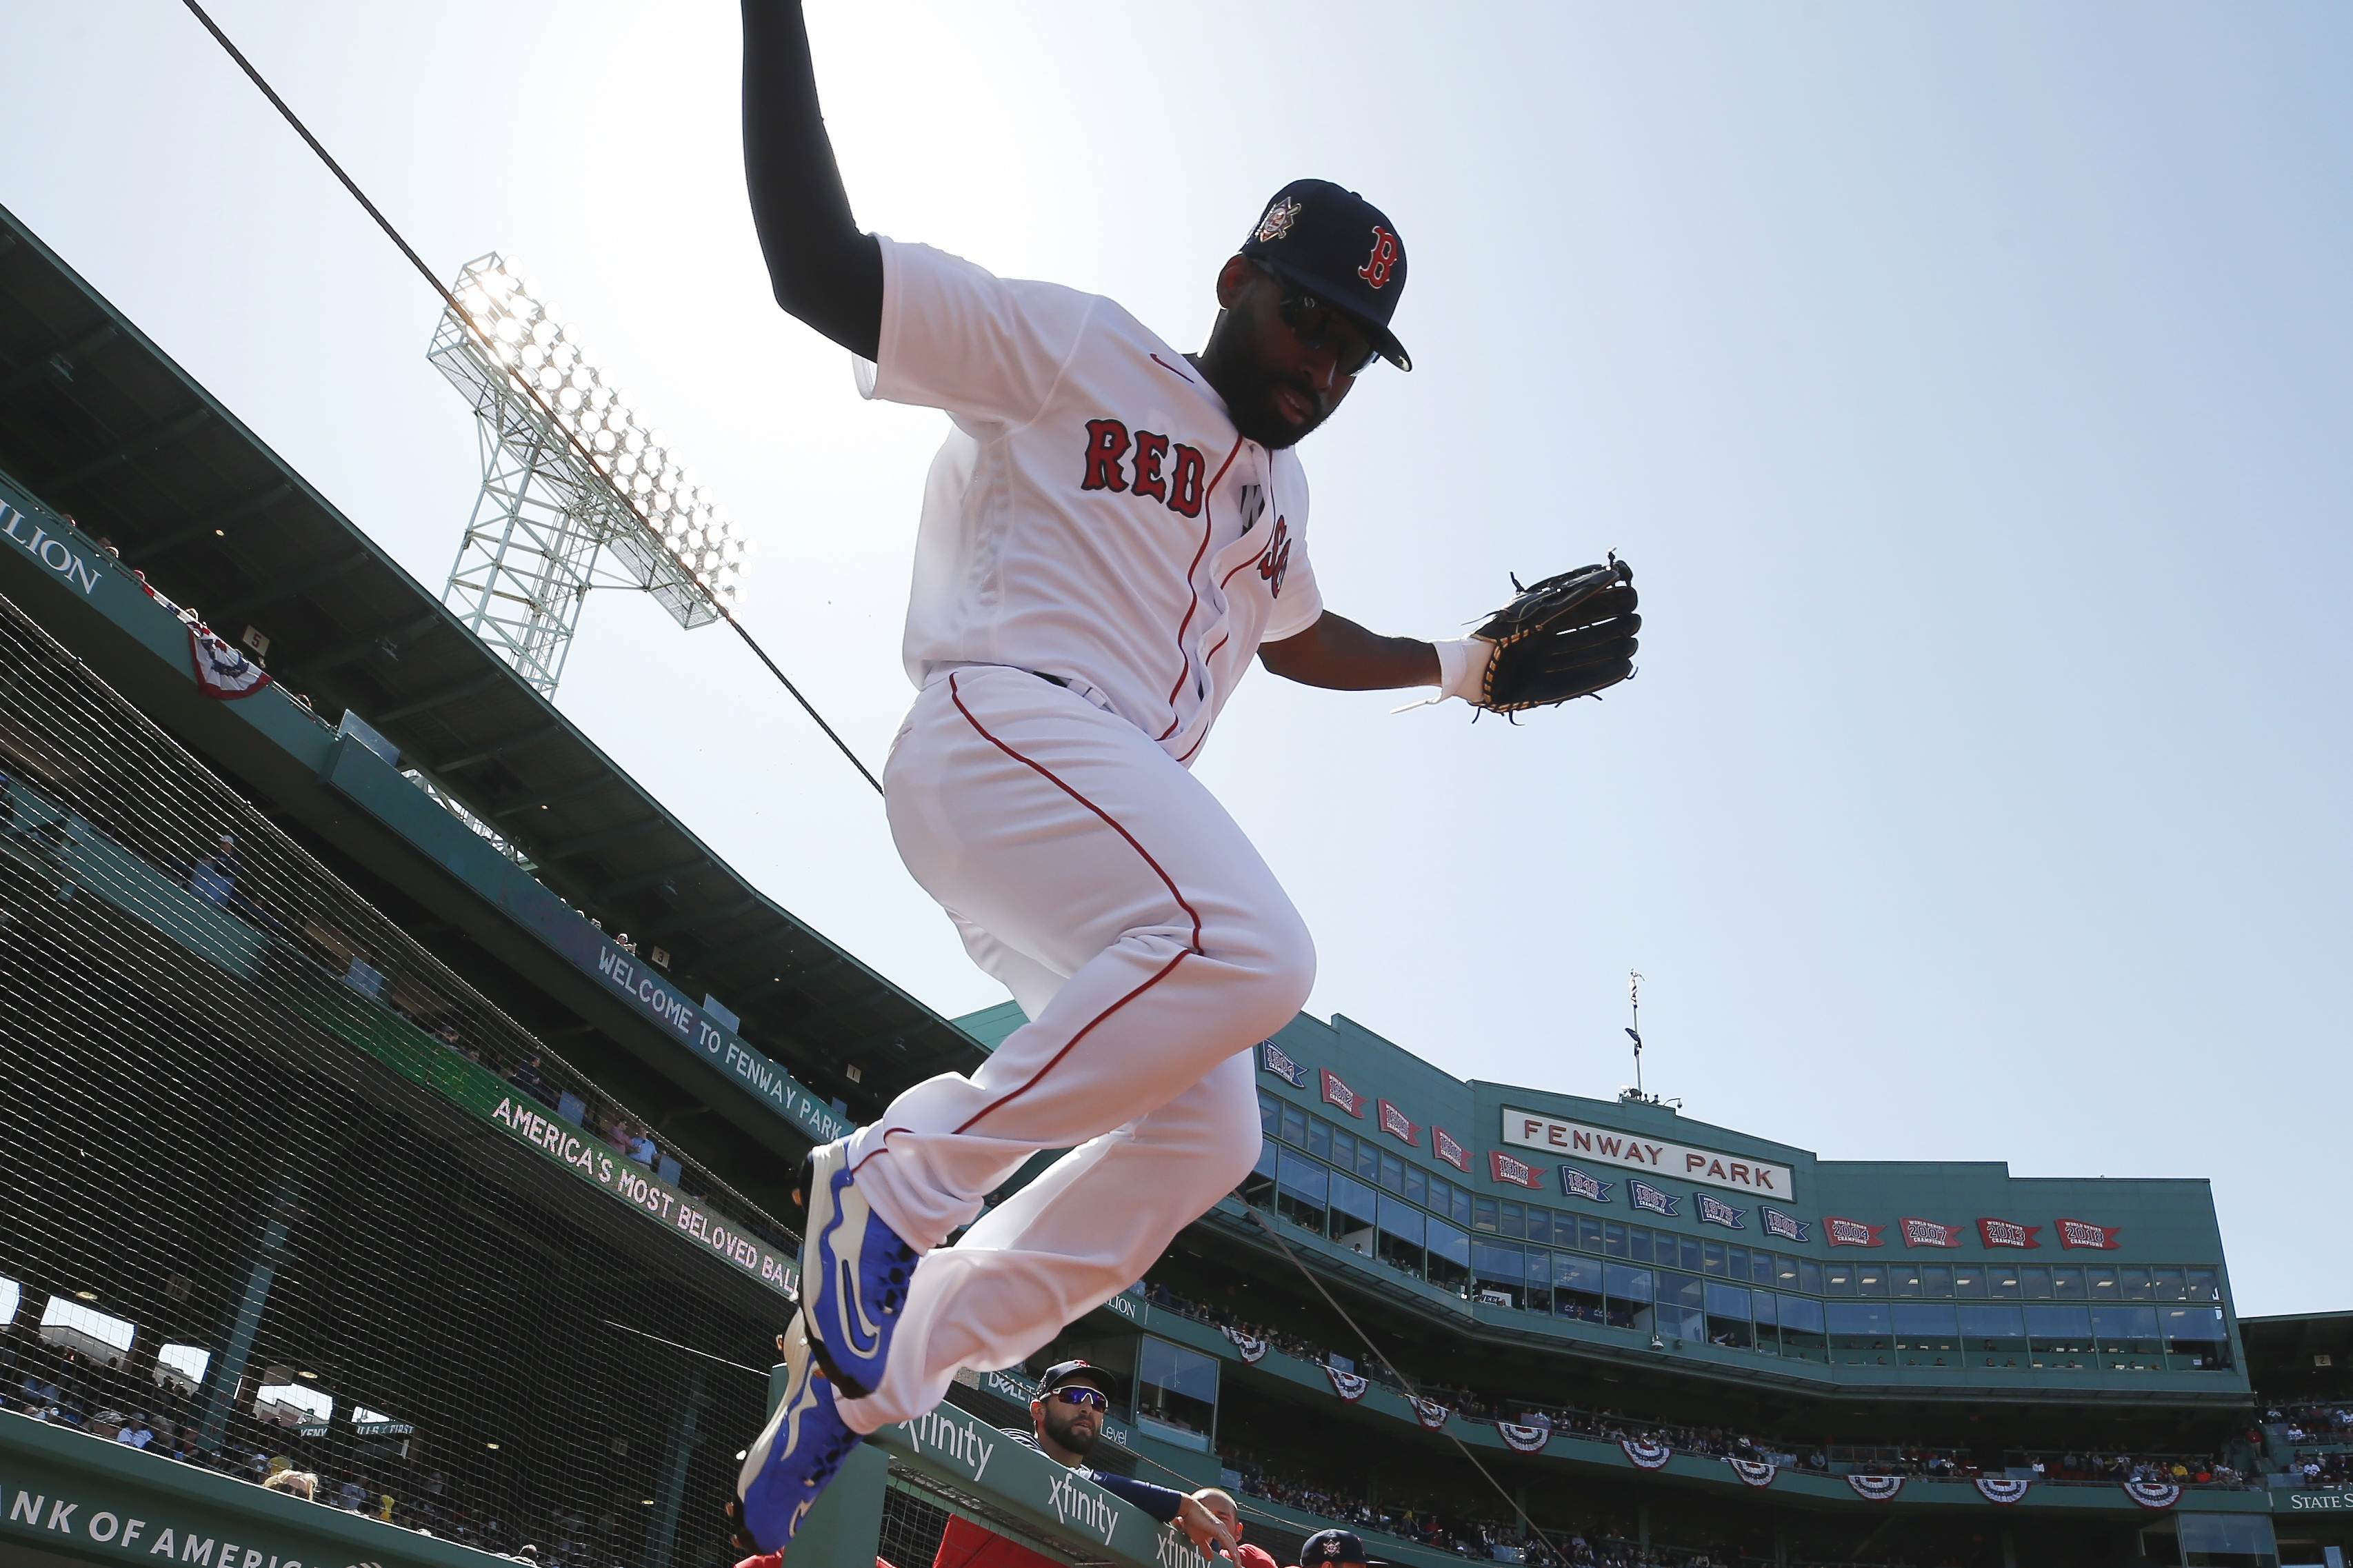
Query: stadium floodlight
x,y
568,474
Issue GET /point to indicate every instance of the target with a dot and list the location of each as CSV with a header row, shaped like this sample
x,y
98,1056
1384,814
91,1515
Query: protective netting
x,y
285,1191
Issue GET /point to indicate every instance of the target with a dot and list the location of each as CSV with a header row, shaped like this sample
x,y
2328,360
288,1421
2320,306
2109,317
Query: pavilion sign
x,y
1615,1146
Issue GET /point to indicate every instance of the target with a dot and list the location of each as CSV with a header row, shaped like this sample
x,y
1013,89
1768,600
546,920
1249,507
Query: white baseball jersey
x,y
1093,514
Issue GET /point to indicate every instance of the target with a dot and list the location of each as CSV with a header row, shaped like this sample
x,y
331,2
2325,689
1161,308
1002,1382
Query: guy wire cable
x,y
1403,1382
570,438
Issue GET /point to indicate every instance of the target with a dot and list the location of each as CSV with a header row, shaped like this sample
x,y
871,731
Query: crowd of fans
x,y
94,1393
1903,1459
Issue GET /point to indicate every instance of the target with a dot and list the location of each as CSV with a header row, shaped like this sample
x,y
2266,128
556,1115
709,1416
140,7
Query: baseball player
x,y
1066,1423
1222,1507
1111,530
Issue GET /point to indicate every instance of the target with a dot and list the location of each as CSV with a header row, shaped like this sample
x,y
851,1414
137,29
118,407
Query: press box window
x,y
1176,1393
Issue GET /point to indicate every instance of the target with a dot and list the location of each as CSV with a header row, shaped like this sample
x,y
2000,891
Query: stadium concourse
x,y
377,1199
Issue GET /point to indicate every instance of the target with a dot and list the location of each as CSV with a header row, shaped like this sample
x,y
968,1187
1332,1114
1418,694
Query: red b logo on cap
x,y
1377,266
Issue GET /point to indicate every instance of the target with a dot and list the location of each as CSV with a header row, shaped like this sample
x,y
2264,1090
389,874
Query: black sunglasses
x,y
1087,1397
1317,325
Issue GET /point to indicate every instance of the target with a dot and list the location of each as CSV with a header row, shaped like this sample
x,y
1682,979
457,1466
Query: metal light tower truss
x,y
548,511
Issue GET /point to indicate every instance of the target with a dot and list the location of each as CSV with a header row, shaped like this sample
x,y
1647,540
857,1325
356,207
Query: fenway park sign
x,y
1708,1167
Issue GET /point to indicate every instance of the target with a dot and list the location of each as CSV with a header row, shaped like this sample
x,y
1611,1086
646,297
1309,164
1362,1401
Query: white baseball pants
x,y
1149,945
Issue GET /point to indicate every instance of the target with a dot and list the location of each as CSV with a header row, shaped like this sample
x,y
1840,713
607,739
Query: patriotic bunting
x,y
1501,1167
1647,1196
1340,1094
1849,1232
1253,1351
2005,1233
1714,1210
2151,1494
1428,1411
1783,1226
1876,1488
1448,1150
1393,1122
1647,1453
221,670
1929,1233
1756,1472
2073,1233
1348,1386
1521,1439
1997,1490
1270,1058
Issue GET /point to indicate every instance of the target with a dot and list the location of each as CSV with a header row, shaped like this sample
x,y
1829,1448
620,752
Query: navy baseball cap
x,y
1064,1372
1331,1546
1341,249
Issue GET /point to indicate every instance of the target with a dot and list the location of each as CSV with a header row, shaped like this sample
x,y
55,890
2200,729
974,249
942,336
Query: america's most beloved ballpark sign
x,y
1708,1167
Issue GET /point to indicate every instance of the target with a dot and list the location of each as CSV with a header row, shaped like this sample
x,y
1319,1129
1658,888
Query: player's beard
x,y
1080,1440
1258,419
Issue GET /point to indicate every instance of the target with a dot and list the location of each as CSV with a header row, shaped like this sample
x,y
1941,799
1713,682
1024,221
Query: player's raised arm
x,y
825,269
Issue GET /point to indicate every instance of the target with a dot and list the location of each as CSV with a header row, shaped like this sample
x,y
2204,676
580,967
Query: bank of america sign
x,y
1609,1145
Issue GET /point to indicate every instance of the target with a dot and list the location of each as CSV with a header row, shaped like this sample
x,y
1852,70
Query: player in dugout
x,y
1113,533
1066,1423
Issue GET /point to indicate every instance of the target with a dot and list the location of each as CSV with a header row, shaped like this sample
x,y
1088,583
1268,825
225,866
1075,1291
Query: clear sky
x,y
1968,386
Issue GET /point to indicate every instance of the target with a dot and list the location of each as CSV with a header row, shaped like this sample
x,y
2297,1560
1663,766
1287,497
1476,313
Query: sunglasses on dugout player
x,y
1317,325
1092,1399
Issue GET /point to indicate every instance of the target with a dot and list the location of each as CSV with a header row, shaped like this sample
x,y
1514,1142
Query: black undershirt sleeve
x,y
825,270
1157,1502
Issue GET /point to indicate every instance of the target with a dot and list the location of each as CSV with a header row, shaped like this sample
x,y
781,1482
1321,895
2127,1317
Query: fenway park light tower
x,y
568,477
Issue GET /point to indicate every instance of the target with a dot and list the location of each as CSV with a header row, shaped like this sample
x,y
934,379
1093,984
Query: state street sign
x,y
1707,1167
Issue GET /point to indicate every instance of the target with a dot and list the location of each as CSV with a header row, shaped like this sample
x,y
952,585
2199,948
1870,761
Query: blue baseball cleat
x,y
796,1454
854,1275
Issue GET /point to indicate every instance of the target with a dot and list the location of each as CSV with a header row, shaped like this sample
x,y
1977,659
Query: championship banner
x,y
1647,1196
1428,1411
1348,1386
1647,1453
1575,1184
2004,1233
1997,1489
1784,1226
1270,1058
1849,1232
1448,1150
1876,1488
221,670
1501,1167
2152,1494
1714,1210
1521,1439
1394,1122
1754,1472
1253,1351
2073,1233
1929,1233
1340,1094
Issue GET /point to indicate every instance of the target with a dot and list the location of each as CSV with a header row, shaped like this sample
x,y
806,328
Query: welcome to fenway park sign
x,y
1606,1145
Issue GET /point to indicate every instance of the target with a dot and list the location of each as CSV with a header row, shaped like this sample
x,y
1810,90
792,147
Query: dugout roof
x,y
100,423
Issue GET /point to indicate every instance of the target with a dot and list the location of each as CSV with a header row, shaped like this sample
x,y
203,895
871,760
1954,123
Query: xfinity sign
x,y
1706,1167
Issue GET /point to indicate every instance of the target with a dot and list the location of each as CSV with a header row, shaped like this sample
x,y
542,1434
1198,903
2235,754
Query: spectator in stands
x,y
527,1078
641,1144
1221,1504
214,878
302,1484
